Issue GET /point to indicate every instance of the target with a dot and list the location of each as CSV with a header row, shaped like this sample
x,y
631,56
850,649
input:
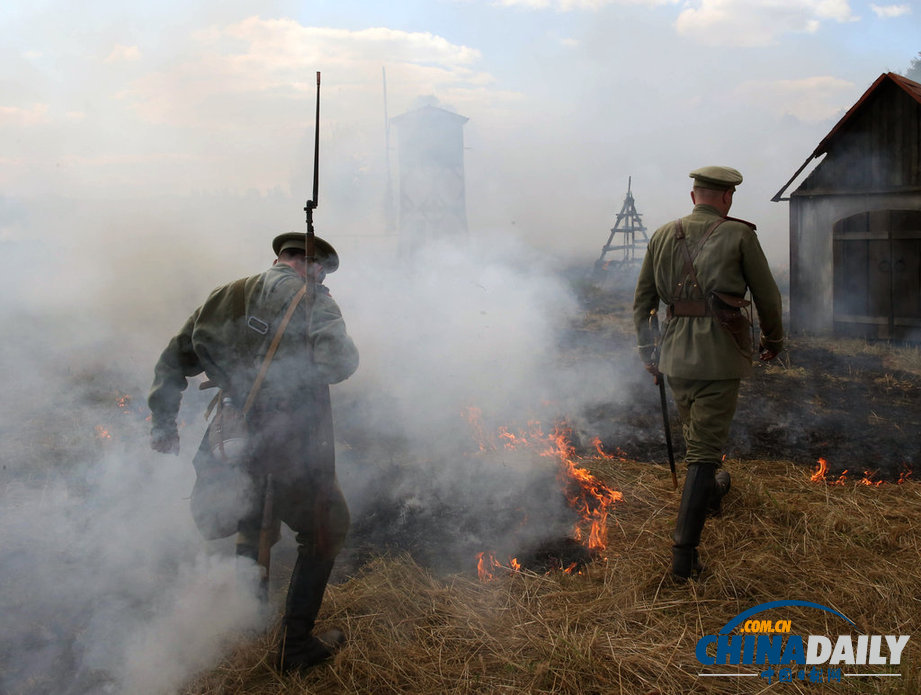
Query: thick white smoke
x,y
107,585
470,323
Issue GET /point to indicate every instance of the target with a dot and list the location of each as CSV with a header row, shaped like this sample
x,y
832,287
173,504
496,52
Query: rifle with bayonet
x,y
659,380
268,531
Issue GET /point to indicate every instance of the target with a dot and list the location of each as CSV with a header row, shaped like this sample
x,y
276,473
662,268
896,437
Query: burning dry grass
x,y
623,626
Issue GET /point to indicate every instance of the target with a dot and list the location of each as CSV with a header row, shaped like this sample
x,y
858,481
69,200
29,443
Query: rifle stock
x,y
267,533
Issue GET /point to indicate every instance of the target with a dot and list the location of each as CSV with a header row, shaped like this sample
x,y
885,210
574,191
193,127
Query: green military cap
x,y
326,254
718,178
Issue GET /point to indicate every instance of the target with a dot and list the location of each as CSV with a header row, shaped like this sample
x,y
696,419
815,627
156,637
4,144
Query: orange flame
x,y
102,433
474,417
619,455
485,563
591,498
511,441
820,472
869,477
585,493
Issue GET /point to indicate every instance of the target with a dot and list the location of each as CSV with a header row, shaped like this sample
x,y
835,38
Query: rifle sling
x,y
270,353
273,347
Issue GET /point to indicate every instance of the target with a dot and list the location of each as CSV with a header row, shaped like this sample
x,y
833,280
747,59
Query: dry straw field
x,y
622,625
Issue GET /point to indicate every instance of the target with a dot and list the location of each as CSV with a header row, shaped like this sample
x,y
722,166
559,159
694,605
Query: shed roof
x,y
913,89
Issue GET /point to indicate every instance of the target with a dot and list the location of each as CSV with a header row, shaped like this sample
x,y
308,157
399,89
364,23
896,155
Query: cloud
x,y
23,117
573,5
757,22
811,99
890,11
274,61
529,4
230,92
123,54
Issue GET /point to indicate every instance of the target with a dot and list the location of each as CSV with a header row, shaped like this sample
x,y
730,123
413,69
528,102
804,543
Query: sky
x,y
206,108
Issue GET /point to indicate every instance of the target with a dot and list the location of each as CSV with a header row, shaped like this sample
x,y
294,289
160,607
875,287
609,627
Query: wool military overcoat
x,y
730,261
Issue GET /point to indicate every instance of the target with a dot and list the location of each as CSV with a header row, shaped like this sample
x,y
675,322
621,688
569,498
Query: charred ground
x,y
620,626
854,403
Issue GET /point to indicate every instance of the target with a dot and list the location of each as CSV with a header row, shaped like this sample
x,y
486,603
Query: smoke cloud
x,y
107,585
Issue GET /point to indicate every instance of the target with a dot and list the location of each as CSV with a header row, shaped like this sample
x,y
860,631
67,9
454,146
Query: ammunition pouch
x,y
727,309
225,489
228,435
687,307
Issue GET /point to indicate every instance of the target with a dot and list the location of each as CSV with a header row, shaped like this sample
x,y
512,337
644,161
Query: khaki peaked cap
x,y
326,254
717,178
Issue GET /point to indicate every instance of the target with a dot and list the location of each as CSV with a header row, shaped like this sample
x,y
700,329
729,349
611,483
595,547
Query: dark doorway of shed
x,y
877,275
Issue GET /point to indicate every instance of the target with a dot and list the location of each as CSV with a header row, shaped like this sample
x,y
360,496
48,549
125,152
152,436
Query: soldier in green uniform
x,y
290,422
700,267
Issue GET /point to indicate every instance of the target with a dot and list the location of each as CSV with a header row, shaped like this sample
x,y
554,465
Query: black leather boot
x,y
721,484
692,513
299,647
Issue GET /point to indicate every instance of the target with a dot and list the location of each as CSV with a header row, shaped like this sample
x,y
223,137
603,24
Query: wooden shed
x,y
855,221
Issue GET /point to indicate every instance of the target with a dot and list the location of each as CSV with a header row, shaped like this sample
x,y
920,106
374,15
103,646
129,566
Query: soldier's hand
x,y
653,369
165,440
766,354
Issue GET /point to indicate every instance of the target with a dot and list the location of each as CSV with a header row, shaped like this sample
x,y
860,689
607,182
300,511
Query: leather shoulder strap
x,y
273,347
689,271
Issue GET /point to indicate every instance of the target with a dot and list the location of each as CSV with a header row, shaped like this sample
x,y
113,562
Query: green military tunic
x,y
291,418
226,339
731,261
702,360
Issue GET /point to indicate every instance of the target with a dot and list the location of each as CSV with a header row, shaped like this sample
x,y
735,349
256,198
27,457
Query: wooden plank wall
x,y
878,149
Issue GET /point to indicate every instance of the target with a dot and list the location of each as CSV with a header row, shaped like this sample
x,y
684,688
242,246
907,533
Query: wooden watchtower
x,y
627,243
432,191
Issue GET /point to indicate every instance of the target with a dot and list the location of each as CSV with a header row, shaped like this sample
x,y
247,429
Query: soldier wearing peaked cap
x,y
701,266
284,396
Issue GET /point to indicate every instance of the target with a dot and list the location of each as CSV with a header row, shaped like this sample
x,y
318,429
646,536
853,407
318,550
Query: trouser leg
x,y
706,409
247,552
321,527
250,535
